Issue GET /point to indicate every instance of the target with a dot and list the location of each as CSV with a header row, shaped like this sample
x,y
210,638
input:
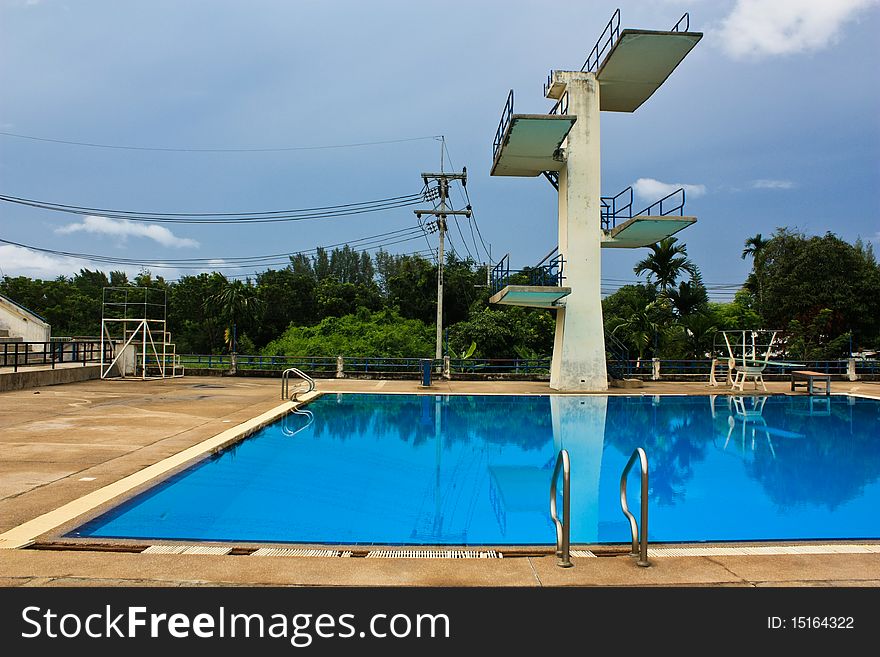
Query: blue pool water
x,y
472,470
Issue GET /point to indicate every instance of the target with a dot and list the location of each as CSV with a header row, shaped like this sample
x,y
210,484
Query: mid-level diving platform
x,y
530,296
638,63
530,144
644,231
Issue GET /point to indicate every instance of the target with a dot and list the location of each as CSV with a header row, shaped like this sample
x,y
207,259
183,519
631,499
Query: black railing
x,y
606,40
687,23
500,274
506,115
548,272
52,353
616,207
674,204
561,106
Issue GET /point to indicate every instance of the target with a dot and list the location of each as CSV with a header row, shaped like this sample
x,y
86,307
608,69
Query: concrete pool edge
x,y
26,533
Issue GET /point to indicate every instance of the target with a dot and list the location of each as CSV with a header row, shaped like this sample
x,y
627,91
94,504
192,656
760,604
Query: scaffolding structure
x,y
134,331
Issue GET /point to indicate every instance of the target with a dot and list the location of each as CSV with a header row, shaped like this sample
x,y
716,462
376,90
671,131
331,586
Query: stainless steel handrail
x,y
639,539
285,382
563,527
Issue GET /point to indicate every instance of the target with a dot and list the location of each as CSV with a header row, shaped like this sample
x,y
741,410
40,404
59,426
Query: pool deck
x,y
61,443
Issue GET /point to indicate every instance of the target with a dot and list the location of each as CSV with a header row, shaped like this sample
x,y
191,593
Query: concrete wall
x,y
22,323
34,378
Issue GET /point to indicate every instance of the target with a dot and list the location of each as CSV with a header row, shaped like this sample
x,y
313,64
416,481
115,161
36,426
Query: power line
x,y
472,220
268,216
69,142
235,262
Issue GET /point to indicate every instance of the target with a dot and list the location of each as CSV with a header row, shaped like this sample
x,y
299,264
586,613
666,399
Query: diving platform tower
x,y
622,71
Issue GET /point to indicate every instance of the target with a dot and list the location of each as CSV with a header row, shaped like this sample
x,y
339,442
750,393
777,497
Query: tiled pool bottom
x,y
474,470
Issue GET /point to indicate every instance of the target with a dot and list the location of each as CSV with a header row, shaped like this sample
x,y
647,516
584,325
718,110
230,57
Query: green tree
x,y
666,263
807,276
234,303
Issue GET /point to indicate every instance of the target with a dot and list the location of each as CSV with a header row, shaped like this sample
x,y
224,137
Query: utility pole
x,y
440,213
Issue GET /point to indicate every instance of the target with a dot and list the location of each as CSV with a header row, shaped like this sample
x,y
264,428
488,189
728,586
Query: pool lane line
x,y
26,533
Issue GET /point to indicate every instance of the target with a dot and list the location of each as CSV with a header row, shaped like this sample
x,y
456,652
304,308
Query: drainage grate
x,y
583,554
433,554
187,549
294,552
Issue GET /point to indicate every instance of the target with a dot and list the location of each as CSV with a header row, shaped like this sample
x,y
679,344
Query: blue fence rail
x,y
329,366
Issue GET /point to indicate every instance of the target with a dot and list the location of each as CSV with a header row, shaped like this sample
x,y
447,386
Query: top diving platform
x,y
629,65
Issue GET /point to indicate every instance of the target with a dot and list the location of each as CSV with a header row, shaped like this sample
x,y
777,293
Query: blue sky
x,y
772,120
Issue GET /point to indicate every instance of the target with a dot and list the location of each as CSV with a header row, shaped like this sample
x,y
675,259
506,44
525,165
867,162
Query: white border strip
x,y
26,533
764,550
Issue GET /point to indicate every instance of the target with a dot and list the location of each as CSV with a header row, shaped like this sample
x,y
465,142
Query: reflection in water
x,y
433,469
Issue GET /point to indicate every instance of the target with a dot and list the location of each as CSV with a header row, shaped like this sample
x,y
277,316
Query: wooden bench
x,y
808,379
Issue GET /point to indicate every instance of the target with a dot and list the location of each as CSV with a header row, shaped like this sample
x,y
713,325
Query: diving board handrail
x,y
639,531
677,202
563,526
604,43
285,382
506,116
687,23
610,212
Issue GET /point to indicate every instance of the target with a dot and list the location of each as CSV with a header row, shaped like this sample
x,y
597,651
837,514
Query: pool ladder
x,y
307,414
563,526
285,383
639,534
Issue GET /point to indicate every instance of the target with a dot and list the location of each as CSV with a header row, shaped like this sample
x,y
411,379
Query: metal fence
x,y
52,353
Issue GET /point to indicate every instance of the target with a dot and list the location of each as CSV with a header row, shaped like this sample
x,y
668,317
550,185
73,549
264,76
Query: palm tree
x,y
666,263
638,329
756,246
689,298
232,303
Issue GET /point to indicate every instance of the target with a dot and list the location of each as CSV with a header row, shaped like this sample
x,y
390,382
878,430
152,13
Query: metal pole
x,y
441,223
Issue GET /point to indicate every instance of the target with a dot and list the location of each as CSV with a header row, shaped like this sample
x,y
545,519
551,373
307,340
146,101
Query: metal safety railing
x,y
548,272
616,207
606,40
674,204
285,383
686,19
563,525
506,116
53,352
639,531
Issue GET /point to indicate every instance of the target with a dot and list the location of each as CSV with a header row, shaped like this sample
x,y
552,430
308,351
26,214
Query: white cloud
x,y
123,228
767,183
653,190
18,261
782,27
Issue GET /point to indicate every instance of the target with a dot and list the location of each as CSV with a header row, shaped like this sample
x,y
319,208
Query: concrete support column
x,y
579,346
655,369
579,427
851,370
446,370
340,367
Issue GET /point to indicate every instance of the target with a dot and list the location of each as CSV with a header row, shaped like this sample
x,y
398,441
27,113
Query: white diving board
x,y
530,144
638,63
644,231
531,296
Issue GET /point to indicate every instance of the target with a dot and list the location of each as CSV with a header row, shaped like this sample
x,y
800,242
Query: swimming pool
x,y
475,470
